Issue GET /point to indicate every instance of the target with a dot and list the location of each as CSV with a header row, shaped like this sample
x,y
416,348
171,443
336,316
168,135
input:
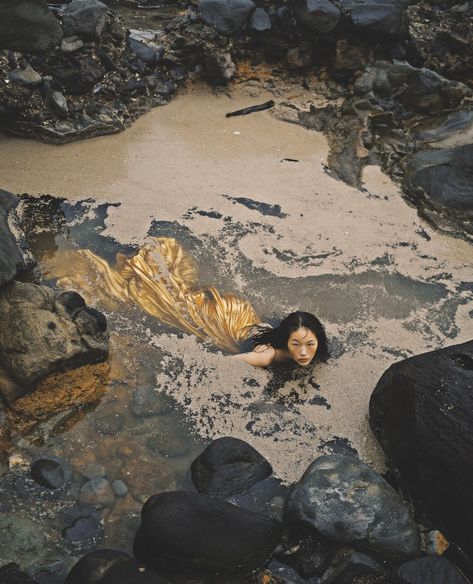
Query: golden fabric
x,y
162,280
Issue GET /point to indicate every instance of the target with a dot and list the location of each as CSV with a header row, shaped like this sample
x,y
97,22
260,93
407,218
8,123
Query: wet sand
x,y
188,163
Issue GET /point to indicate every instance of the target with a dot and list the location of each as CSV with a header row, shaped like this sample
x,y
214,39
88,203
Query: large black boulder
x,y
421,411
430,570
343,499
85,19
381,20
440,184
111,567
228,466
10,255
227,16
203,533
28,26
321,16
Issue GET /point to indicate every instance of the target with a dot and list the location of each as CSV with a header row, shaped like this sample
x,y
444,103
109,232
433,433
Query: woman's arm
x,y
261,357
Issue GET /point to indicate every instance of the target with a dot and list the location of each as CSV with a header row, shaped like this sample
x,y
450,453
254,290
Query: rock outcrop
x,y
11,257
421,411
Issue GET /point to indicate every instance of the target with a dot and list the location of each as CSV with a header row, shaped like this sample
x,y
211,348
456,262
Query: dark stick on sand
x,y
254,108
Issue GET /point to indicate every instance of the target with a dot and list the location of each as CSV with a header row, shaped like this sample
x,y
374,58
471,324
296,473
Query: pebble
x,y
48,473
27,76
119,488
94,470
97,492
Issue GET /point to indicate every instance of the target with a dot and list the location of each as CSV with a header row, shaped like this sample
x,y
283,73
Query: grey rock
x,y
343,499
382,20
145,52
85,19
59,103
260,20
11,257
71,44
48,472
28,26
227,16
21,540
347,564
321,16
27,76
97,492
94,470
119,488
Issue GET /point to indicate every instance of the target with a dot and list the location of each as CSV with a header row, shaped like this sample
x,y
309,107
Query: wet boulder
x,y
320,16
36,341
342,498
85,19
79,77
10,255
440,184
430,570
381,20
227,16
228,466
204,533
50,472
421,411
28,26
105,566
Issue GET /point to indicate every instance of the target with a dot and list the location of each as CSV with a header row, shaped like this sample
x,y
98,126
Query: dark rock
x,y
48,472
144,52
424,92
321,16
382,20
69,304
111,567
267,497
10,255
84,529
343,499
204,533
227,16
85,19
440,184
21,540
430,570
260,20
228,466
282,574
80,76
119,488
28,26
421,411
27,76
313,557
347,564
97,492
12,574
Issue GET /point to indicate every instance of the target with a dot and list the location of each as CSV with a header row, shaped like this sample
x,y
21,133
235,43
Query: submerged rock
x,y
50,472
228,466
204,533
421,411
12,574
343,499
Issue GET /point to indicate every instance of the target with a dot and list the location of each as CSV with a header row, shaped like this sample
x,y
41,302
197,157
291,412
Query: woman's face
x,y
302,346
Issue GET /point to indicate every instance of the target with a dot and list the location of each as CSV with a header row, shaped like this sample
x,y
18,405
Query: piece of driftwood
x,y
253,108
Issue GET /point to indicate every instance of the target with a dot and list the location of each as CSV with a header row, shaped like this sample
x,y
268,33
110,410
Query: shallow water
x,y
285,236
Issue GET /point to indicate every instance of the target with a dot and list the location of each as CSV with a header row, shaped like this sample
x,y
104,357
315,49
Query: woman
x,y
299,339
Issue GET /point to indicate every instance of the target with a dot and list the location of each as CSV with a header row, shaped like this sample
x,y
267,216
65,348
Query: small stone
x,y
28,76
119,488
94,470
71,44
109,424
97,492
59,103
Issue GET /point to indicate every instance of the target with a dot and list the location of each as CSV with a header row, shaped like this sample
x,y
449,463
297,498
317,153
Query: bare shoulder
x,y
261,356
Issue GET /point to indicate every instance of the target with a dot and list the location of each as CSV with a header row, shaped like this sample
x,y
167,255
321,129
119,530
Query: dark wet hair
x,y
278,337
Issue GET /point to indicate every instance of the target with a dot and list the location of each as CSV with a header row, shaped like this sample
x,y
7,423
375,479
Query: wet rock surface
x,y
435,569
37,339
228,466
420,413
203,532
343,499
10,255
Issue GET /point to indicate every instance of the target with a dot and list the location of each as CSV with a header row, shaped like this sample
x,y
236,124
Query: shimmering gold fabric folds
x,y
162,280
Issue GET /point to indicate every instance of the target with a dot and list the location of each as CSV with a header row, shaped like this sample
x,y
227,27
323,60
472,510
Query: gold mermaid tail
x,y
161,279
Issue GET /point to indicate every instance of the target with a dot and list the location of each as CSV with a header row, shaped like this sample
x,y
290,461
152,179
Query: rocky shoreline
x,y
400,96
